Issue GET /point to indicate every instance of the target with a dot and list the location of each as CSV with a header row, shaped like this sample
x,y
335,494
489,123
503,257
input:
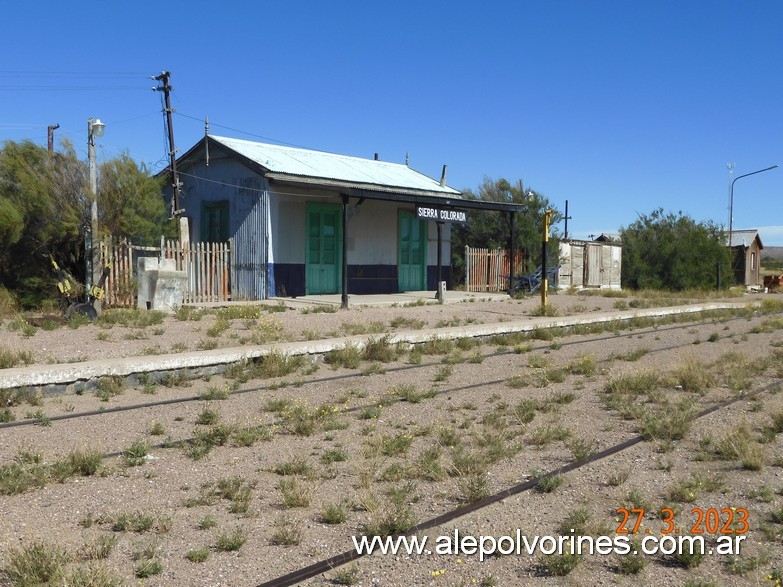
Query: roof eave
x,y
347,185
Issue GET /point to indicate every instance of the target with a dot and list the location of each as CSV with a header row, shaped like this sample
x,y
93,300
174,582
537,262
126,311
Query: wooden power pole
x,y
166,88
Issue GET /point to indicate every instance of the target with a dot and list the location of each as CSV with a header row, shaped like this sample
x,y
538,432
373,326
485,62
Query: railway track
x,y
499,360
106,411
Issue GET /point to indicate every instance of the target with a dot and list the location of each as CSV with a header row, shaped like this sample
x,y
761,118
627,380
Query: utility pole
x,y
566,218
50,132
163,78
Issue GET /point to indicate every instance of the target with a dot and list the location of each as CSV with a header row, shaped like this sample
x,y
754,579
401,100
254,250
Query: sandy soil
x,y
462,430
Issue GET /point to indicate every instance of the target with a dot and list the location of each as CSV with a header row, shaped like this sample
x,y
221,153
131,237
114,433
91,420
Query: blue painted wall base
x,y
288,279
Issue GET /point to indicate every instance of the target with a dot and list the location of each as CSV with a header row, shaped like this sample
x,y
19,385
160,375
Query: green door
x,y
411,253
214,222
324,240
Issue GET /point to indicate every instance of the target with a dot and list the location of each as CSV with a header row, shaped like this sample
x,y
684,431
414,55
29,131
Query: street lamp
x,y
731,209
95,128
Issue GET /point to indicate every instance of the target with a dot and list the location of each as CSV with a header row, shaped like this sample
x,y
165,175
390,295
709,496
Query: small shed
x,y
746,250
590,264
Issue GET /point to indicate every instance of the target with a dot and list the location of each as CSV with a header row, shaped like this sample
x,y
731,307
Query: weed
x,y
286,532
437,346
369,413
374,369
618,477
93,575
333,513
296,466
35,563
208,417
108,387
249,435
575,523
741,445
444,372
687,490
547,434
41,419
409,393
348,357
584,365
175,379
148,568
334,456
668,424
11,358
138,522
197,555
295,493
346,576
392,516
560,565
402,322
85,462
390,445
320,309
135,455
206,345
548,483
206,523
525,411
689,555
582,449
231,542
693,376
380,350
632,564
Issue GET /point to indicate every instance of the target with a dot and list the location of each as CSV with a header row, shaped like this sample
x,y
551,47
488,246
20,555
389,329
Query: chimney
x,y
443,177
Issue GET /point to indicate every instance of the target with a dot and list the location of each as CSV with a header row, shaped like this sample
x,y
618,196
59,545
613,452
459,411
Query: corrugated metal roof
x,y
335,168
743,238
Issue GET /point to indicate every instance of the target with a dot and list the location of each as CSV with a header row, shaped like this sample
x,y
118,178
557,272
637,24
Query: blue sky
x,y
619,107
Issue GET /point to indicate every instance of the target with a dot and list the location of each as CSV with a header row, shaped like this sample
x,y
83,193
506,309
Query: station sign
x,y
441,215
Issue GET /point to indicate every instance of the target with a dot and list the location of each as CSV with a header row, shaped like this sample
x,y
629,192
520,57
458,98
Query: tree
x,y
130,202
45,210
492,229
42,211
668,251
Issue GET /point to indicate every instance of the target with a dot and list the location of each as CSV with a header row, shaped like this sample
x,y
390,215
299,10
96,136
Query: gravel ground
x,y
396,446
112,337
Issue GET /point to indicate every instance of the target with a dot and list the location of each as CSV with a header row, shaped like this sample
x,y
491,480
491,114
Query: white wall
x,y
372,230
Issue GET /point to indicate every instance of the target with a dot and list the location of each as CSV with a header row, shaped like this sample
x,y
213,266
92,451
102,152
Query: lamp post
x,y
731,207
94,129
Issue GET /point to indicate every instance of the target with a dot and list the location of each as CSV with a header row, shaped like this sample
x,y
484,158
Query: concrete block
x,y
167,265
168,290
147,266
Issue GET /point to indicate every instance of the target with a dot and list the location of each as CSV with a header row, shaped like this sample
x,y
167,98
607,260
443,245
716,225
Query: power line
x,y
250,134
67,88
69,74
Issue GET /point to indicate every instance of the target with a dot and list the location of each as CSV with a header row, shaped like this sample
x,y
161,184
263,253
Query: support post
x,y
439,294
50,137
344,298
512,253
717,266
544,252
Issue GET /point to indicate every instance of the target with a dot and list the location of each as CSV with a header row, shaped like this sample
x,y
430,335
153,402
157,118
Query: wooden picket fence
x,y
488,269
208,266
120,287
